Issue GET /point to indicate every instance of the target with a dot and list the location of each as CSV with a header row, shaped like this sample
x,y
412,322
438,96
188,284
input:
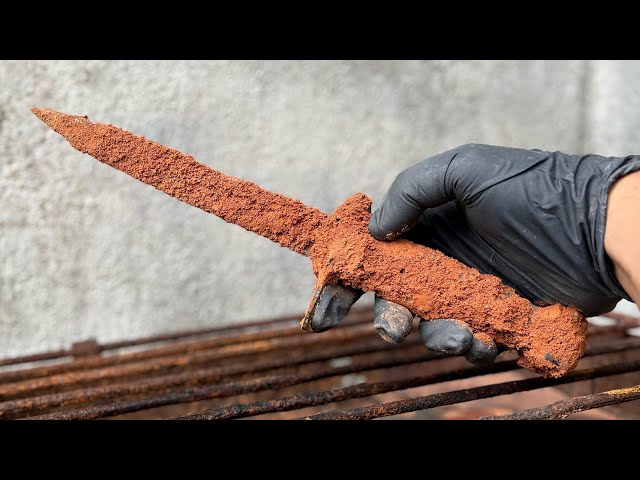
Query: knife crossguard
x,y
550,340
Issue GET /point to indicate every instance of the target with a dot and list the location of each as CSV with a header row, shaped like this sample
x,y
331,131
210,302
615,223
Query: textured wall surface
x,y
89,252
614,107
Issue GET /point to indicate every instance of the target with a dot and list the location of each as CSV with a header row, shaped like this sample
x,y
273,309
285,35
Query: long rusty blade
x,y
280,219
431,285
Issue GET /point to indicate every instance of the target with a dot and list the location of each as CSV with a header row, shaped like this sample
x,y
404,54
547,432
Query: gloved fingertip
x,y
332,305
392,321
376,230
321,322
483,350
383,224
446,335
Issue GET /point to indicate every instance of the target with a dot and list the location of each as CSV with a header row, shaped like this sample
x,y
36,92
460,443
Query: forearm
x,y
622,233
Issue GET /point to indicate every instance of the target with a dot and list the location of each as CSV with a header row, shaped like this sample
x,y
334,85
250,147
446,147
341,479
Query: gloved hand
x,y
535,219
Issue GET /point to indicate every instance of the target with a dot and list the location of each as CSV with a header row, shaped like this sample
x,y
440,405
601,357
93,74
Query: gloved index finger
x,y
415,189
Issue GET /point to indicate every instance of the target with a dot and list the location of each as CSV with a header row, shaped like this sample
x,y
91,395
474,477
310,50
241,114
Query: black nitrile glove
x,y
534,219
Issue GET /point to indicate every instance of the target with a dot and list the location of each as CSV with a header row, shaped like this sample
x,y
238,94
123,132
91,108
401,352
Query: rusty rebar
x,y
69,352
207,375
18,383
312,399
564,408
354,314
626,319
226,329
467,395
320,398
40,404
352,320
32,406
355,317
36,357
622,345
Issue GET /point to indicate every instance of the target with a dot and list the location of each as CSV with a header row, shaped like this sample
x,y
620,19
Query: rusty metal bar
x,y
31,406
467,395
206,375
198,332
303,400
564,408
68,352
37,405
629,343
166,360
312,399
622,323
320,398
357,315
39,378
61,376
628,320
354,317
36,357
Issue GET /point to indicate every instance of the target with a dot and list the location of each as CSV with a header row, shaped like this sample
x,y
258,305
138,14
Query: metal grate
x,y
270,369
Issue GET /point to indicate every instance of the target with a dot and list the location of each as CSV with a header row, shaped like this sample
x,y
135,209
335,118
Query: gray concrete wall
x,y
88,252
613,91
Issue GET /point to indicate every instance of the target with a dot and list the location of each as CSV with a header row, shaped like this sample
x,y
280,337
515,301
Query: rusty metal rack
x,y
270,369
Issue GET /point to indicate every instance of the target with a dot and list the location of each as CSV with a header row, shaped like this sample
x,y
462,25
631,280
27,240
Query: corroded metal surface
x,y
564,408
271,368
467,395
204,393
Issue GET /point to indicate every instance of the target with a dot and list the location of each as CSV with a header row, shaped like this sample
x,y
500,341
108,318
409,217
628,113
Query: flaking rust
x,y
550,340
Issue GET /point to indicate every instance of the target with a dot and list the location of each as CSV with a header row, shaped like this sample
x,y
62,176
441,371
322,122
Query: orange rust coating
x,y
279,218
551,340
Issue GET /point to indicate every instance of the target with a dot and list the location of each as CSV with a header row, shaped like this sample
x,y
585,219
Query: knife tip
x,y
57,120
41,113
